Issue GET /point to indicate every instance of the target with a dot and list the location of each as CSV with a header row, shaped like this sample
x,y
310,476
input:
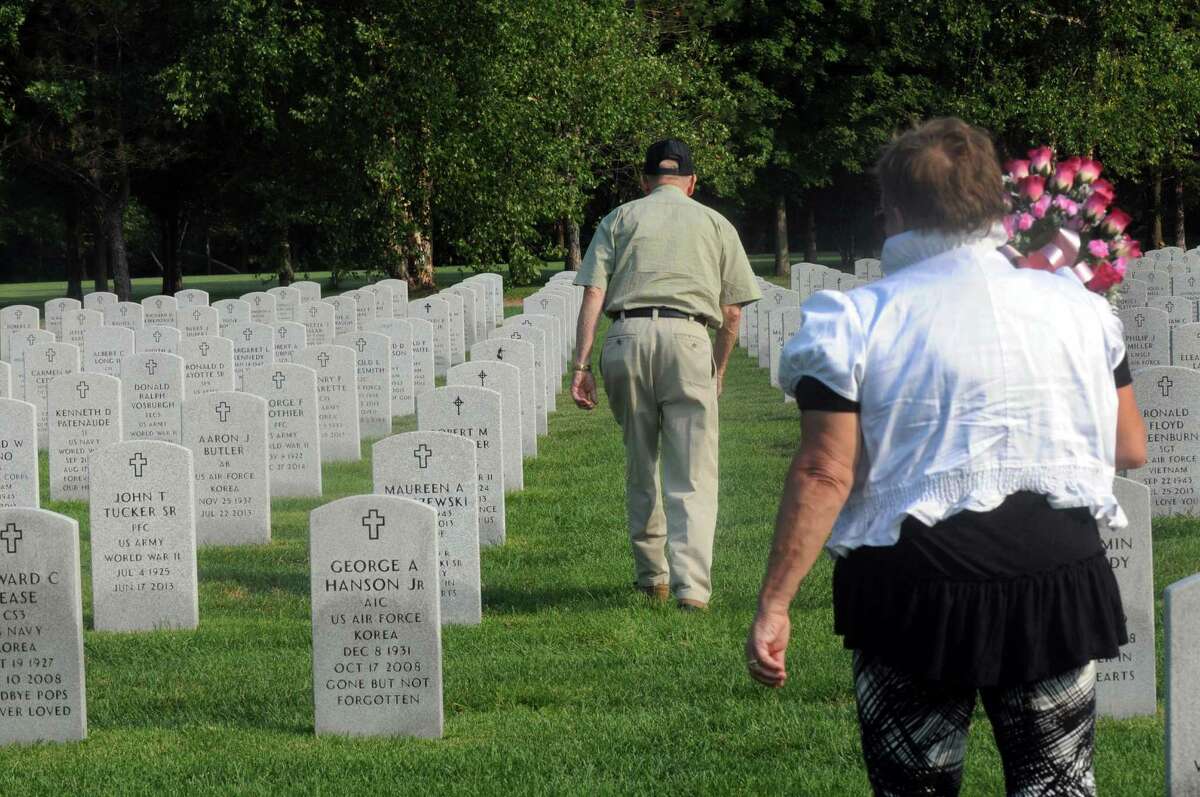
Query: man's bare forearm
x,y
585,329
726,338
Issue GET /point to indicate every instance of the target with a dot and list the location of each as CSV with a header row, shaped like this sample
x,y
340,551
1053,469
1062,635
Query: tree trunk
x,y
420,237
574,255
559,236
781,237
283,257
114,228
810,231
99,253
1180,215
1156,231
208,260
74,232
172,280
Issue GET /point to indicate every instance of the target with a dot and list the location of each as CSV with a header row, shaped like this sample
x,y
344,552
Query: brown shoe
x,y
689,605
655,592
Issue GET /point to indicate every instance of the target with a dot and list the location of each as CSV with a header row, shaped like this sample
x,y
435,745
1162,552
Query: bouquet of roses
x,y
1062,216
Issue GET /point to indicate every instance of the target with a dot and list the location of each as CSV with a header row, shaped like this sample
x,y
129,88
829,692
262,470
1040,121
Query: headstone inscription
x,y
208,364
160,311
104,349
1158,282
287,303
474,413
523,331
345,313
127,315
6,380
384,301
227,434
373,366
422,355
454,303
337,401
1132,293
1166,396
143,538
99,300
436,311
399,296
375,578
84,414
199,322
505,380
751,311
289,341
191,297
438,469
53,311
1126,684
364,307
1147,337
156,338
309,291
1185,346
44,693
319,322
293,429
76,325
14,318
43,363
21,341
232,313
1179,310
1186,285
783,326
253,347
1181,614
19,485
399,333
262,307
515,351
555,367
152,397
549,304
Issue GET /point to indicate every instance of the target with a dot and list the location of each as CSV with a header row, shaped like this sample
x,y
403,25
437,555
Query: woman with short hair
x,y
961,423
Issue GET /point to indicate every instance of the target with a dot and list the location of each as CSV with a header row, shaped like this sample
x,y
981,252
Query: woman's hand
x,y
766,648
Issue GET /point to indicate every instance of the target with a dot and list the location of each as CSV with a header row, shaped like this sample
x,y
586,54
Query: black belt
x,y
663,312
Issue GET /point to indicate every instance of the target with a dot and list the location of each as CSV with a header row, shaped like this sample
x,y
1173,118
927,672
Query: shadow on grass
x,y
255,581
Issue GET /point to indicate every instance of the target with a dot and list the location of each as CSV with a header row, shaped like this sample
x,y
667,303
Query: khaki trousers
x,y
659,377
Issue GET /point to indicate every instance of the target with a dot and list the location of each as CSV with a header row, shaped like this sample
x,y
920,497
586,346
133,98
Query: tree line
x,y
389,136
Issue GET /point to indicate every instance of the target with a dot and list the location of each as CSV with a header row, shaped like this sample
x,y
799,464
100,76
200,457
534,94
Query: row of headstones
x,y
155,533
1126,684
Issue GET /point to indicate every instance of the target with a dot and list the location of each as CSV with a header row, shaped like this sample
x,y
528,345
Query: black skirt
x,y
996,598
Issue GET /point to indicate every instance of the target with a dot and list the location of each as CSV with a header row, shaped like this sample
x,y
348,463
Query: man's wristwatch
x,y
587,368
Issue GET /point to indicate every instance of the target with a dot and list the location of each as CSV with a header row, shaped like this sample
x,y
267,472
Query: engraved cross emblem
x,y
51,355
223,411
151,367
18,313
157,336
312,312
373,522
482,378
428,307
1165,384
30,340
158,304
204,347
247,333
196,315
282,333
124,309
83,389
279,380
1170,307
11,535
422,454
323,358
1139,319
458,404
137,462
361,345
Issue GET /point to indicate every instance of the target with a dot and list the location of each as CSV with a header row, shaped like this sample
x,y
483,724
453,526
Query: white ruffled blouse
x,y
975,380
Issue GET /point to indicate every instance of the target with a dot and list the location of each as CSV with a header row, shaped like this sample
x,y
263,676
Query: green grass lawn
x,y
571,685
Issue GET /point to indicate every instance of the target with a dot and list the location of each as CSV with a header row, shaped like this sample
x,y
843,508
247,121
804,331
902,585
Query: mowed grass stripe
x,y
572,684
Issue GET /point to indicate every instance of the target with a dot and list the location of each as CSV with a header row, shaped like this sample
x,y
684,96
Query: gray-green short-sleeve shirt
x,y
668,250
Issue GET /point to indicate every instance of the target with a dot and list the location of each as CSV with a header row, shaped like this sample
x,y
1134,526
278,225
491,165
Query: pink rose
x,y
1025,221
1064,177
1104,276
1089,170
1095,206
1097,249
1066,205
1039,208
1039,160
1105,189
1032,188
1017,169
1117,221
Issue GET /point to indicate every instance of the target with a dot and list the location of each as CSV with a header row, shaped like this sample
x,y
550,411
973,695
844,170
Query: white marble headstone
x,y
13,318
208,364
287,303
1167,398
191,297
156,338
437,312
84,414
43,363
319,319
253,347
152,396
262,307
290,339
422,356
505,380
127,315
337,401
399,332
373,365
309,291
231,313
53,311
160,311
99,300
1181,614
199,322
293,428
19,485
345,313
78,324
104,349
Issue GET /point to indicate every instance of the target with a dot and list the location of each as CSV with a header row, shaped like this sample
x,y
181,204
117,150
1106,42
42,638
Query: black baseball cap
x,y
669,149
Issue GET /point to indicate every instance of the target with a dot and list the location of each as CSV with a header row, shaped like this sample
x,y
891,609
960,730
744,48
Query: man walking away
x,y
665,268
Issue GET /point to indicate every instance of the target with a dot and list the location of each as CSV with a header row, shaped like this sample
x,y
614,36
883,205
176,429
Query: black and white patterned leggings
x,y
914,734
